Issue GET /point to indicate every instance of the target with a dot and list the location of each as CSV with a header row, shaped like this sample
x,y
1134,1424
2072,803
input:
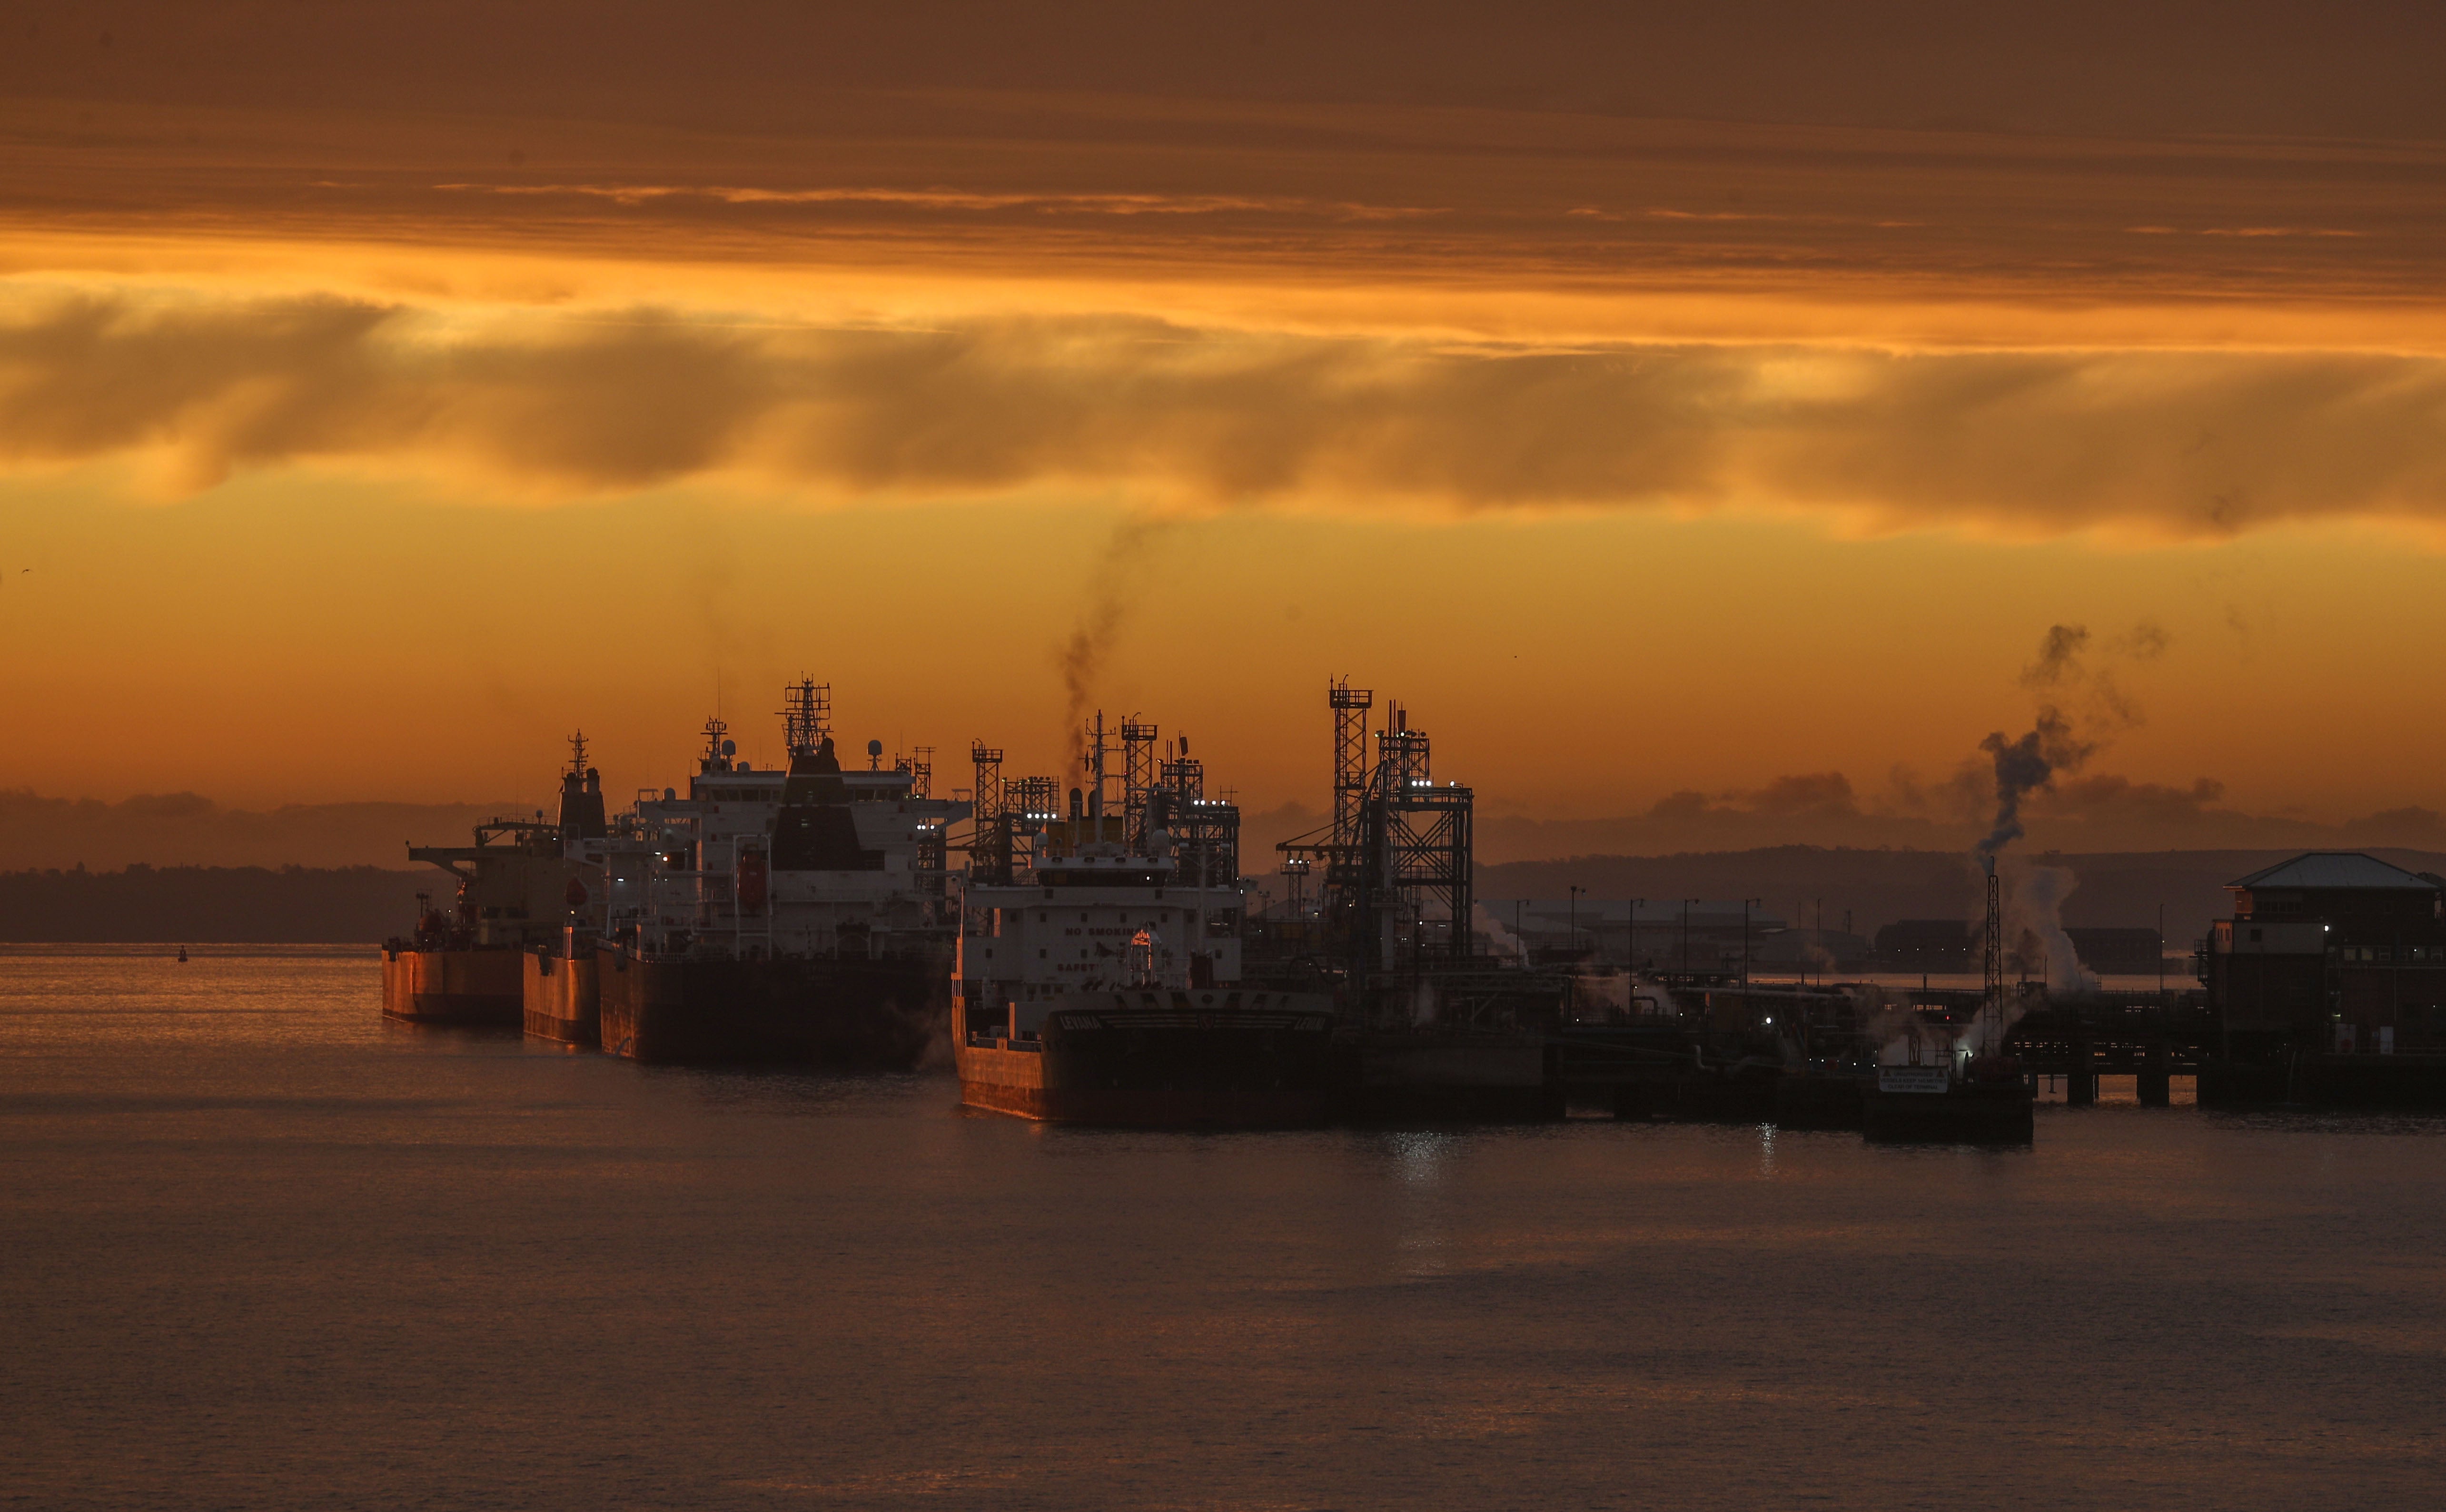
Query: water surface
x,y
263,1250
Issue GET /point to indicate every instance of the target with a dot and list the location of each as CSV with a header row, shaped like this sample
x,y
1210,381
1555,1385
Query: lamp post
x,y
1745,950
1685,933
1631,938
1575,889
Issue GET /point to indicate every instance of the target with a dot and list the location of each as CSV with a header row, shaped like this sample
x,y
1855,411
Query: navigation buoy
x,y
182,952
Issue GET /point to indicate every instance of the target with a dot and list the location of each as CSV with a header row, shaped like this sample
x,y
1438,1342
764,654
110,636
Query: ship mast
x,y
577,755
809,715
1098,746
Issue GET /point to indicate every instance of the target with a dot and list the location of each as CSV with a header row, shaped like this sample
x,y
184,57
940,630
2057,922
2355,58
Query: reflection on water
x,y
264,1251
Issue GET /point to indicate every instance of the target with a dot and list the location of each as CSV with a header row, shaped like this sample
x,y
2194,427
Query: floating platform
x,y
1925,1103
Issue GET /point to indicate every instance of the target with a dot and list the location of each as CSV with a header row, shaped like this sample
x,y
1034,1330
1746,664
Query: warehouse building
x,y
2332,951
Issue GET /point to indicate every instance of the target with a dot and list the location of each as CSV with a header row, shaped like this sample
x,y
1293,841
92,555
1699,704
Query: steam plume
x,y
2038,905
2053,747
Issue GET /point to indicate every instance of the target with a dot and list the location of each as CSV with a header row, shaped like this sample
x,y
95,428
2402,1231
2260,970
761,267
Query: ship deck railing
x,y
1002,1042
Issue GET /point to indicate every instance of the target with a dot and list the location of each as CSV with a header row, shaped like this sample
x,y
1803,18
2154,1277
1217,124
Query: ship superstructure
x,y
795,914
1099,957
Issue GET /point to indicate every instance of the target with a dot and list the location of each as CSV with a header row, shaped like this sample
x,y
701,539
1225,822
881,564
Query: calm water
x,y
262,1251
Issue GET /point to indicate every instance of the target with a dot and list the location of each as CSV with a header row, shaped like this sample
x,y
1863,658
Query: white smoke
x,y
1498,940
2038,907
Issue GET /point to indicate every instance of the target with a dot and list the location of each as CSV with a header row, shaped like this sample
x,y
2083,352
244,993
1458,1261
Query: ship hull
x,y
477,989
562,997
844,1014
1999,1113
1162,1060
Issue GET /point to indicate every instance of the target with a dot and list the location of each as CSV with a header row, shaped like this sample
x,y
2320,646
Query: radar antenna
x,y
809,715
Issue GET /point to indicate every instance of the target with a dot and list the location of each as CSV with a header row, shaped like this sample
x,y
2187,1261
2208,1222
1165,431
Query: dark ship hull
x,y
475,988
1967,1113
1162,1059
849,1013
563,999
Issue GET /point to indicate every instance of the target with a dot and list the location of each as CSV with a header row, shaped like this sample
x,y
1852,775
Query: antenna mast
x,y
808,717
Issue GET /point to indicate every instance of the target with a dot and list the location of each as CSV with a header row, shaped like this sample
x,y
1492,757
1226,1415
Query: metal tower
x,y
1992,1004
1137,774
990,837
808,716
1351,706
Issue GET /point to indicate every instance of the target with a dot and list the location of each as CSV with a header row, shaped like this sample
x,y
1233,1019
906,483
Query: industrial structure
x,y
807,913
2328,984
1395,863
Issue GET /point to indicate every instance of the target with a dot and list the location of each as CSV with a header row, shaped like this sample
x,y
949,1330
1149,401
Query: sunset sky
x,y
1667,405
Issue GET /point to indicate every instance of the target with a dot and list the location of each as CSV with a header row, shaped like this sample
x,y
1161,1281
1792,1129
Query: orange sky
x,y
385,391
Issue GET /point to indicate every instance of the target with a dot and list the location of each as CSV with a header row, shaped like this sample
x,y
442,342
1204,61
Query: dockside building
x,y
2330,953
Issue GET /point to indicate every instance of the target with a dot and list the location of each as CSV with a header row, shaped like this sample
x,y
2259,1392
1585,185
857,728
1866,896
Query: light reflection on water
x,y
263,1250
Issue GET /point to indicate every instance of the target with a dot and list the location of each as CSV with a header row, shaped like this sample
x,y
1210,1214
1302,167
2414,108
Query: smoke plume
x,y
1110,594
2025,765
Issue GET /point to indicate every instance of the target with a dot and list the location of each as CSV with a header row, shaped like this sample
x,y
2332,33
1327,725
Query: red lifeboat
x,y
752,879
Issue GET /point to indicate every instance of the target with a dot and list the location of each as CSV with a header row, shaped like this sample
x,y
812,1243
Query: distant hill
x,y
225,905
2112,888
188,830
304,905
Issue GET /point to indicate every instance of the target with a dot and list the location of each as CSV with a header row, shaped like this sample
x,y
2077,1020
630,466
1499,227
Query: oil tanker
x,y
780,917
1100,963
462,963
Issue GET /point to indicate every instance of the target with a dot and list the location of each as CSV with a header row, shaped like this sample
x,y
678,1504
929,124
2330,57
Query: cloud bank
x,y
2168,444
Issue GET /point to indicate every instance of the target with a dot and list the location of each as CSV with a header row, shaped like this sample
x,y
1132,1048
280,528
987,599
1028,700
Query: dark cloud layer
x,y
1908,150
2177,443
2257,65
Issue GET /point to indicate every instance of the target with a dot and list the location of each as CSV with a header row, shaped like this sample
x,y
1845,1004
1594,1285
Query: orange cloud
x,y
2155,445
